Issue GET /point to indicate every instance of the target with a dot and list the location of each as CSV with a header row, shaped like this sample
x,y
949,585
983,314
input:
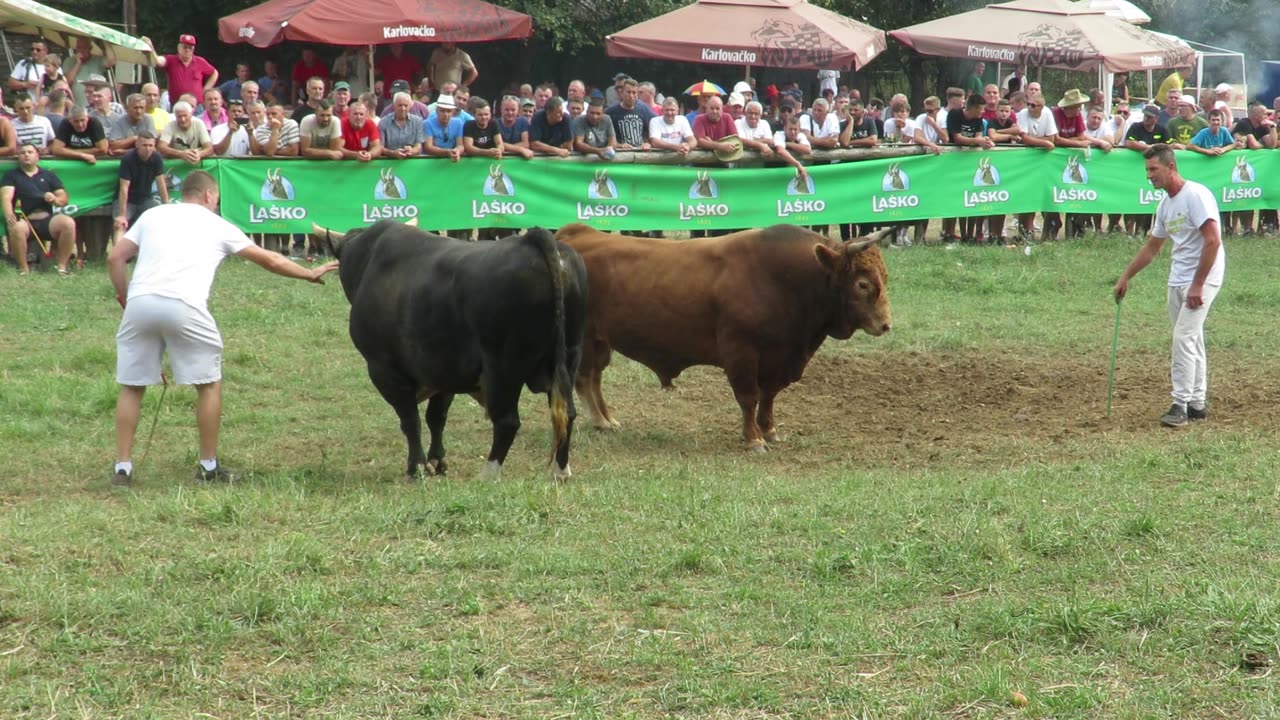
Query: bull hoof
x,y
419,473
492,470
559,475
757,447
772,437
614,424
605,425
437,466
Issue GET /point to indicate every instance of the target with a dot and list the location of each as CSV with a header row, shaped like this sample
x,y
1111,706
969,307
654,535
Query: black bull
x,y
435,317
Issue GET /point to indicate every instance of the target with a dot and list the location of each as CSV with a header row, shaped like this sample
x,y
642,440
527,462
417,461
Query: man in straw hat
x,y
1069,116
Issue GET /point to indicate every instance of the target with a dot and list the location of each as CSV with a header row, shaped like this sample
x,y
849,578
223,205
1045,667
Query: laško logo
x,y
497,184
704,187
801,209
1074,174
897,184
603,188
276,189
392,191
1243,173
987,175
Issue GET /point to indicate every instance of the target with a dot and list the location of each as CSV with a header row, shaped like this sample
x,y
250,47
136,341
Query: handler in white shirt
x,y
1188,215
179,248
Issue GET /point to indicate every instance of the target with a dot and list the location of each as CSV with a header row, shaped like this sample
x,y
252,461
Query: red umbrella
x,y
705,87
769,33
373,22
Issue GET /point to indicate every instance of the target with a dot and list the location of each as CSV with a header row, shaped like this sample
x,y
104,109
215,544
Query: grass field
x,y
951,520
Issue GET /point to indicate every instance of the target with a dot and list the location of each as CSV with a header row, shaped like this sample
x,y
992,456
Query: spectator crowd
x,y
331,110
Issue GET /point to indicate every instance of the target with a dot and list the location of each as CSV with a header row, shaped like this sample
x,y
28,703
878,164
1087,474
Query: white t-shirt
x,y
1104,132
829,127
1179,218
1043,126
760,132
179,249
676,132
780,139
27,70
906,133
239,145
828,80
922,122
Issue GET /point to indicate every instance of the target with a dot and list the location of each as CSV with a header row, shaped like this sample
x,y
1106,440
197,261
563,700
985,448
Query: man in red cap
x,y
188,73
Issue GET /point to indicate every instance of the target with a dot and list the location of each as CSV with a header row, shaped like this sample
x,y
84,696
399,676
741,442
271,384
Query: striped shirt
x,y
38,132
288,134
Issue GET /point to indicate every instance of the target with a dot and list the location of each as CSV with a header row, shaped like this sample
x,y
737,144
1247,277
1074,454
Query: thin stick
x,y
146,450
1115,342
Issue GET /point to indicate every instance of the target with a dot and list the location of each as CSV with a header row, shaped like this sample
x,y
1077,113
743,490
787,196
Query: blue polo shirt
x,y
447,137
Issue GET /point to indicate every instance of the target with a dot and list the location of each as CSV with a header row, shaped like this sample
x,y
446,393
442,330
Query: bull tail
x,y
561,384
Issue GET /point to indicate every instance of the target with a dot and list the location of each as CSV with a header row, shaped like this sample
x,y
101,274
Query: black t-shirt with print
x,y
92,135
1140,133
960,125
481,138
1244,127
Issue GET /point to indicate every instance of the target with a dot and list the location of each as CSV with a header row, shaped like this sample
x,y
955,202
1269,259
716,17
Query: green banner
x,y
92,186
289,195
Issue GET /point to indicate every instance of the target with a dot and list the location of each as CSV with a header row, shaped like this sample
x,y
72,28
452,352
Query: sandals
x,y
63,272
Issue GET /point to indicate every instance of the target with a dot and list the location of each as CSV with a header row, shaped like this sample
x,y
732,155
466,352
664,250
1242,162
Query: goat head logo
x,y
800,185
1074,173
1243,172
987,174
277,187
895,179
498,183
704,188
389,186
601,187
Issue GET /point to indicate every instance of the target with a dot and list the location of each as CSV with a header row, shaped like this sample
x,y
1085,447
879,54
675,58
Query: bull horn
x,y
320,232
875,238
412,222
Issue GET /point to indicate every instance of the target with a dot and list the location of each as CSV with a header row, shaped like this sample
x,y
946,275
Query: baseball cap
x,y
771,91
1152,110
620,76
446,102
743,87
343,85
527,102
187,40
1220,105
1186,101
1222,88
95,79
596,93
397,86
735,98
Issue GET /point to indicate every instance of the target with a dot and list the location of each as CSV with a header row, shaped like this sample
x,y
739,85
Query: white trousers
x,y
1189,368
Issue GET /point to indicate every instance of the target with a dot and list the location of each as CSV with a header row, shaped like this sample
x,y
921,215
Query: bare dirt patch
x,y
914,408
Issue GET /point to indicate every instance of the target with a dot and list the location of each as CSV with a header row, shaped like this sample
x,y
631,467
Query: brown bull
x,y
758,303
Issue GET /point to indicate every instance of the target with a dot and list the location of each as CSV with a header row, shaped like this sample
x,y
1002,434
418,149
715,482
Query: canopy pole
x,y
370,67
8,55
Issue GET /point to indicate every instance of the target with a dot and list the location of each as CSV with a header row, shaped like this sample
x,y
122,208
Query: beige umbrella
x,y
24,17
1045,33
768,33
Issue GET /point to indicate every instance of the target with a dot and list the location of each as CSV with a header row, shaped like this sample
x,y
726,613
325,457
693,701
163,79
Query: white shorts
x,y
152,324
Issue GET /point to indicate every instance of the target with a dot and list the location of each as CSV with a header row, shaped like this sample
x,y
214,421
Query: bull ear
x,y
829,258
